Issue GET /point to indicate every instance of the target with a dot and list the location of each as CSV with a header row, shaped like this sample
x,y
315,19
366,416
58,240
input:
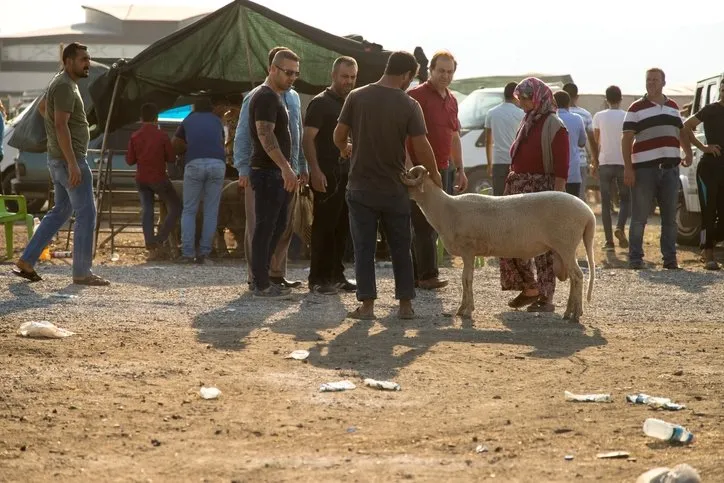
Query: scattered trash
x,y
481,449
61,254
115,257
682,473
568,457
153,268
64,296
351,429
155,442
209,392
336,386
229,310
655,402
43,329
613,455
588,397
664,431
299,355
384,385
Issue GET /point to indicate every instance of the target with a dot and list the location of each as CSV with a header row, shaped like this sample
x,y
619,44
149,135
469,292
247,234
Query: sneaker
x,y
672,265
346,286
185,260
200,260
273,292
609,247
636,265
325,289
284,282
711,265
621,236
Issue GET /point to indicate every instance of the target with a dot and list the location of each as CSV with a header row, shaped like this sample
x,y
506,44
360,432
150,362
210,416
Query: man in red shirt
x,y
150,149
443,132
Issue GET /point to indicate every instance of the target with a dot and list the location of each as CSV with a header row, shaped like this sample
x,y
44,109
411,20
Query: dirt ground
x,y
119,400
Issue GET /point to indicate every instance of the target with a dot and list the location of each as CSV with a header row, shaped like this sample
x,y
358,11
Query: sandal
x,y
541,305
522,300
406,316
711,265
357,314
92,280
31,276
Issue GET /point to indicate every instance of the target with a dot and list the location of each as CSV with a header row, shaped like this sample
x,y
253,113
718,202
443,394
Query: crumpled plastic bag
x,y
42,329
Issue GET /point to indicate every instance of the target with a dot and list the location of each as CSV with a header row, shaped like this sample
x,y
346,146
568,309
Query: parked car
x,y
7,165
688,212
32,179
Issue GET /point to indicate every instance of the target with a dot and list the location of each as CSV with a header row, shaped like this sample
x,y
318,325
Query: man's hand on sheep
x,y
436,178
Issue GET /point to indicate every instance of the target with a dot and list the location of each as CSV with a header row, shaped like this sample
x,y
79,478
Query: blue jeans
x,y
203,181
609,174
663,185
365,210
271,202
168,196
68,200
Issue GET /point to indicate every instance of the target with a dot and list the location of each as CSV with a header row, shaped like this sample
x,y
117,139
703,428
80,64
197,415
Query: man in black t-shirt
x,y
271,175
710,174
328,174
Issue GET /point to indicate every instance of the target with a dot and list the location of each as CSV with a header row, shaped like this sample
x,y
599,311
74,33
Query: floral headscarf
x,y
543,104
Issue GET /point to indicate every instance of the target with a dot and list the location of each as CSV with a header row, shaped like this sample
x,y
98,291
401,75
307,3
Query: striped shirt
x,y
656,133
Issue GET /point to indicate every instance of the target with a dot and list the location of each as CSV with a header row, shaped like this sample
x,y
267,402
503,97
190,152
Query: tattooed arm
x,y
268,140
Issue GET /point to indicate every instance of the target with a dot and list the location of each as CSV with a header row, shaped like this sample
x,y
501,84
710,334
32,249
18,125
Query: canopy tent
x,y
226,53
29,133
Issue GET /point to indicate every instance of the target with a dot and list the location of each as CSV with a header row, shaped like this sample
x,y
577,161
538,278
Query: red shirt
x,y
529,156
150,148
441,118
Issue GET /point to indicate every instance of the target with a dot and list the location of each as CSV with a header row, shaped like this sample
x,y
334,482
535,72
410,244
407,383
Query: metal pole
x,y
99,193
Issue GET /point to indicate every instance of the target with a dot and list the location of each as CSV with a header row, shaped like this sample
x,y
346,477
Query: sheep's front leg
x,y
467,305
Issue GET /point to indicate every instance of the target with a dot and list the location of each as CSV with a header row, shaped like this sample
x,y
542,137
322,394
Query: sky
x,y
598,44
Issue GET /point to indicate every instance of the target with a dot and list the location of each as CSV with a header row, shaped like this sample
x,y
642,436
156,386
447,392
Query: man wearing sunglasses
x,y
242,155
272,177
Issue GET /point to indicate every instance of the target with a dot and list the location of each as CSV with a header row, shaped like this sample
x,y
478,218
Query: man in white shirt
x,y
501,126
572,90
608,162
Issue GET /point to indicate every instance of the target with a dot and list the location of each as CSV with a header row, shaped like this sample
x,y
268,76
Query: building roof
x,y
158,13
75,29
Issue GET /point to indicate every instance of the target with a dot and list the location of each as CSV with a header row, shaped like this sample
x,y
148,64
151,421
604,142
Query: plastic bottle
x,y
662,430
45,254
61,254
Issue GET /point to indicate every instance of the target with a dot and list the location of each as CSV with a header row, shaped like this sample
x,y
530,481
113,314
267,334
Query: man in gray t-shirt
x,y
379,117
67,130
501,126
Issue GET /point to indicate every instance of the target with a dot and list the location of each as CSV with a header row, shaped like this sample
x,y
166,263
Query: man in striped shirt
x,y
651,147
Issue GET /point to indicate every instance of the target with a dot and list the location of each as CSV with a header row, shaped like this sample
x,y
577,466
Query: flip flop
x,y
407,316
356,314
31,276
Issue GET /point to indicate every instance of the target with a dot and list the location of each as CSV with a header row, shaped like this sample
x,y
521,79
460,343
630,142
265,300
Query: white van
x,y
471,113
688,212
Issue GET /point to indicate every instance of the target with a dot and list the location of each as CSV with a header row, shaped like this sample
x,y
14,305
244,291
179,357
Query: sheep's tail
x,y
588,233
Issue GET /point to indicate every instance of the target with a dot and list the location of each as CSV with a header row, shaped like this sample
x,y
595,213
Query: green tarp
x,y
226,53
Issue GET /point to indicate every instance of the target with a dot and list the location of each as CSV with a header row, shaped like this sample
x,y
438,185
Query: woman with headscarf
x,y
539,162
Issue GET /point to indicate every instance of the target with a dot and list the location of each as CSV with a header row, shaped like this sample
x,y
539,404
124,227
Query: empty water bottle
x,y
664,431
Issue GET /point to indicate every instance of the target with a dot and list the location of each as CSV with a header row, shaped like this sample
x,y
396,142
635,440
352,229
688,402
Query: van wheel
x,y
479,182
688,225
34,205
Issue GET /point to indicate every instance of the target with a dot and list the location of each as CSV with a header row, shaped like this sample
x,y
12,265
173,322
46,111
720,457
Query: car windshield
x,y
475,107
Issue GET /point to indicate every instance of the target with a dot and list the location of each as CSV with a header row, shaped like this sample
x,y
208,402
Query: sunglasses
x,y
289,73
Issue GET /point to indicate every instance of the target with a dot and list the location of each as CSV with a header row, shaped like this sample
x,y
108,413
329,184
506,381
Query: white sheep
x,y
514,226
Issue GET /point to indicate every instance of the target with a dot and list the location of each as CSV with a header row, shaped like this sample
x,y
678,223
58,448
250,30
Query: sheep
x,y
515,226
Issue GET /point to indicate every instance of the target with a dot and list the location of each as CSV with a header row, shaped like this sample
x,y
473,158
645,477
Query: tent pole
x,y
99,192
247,44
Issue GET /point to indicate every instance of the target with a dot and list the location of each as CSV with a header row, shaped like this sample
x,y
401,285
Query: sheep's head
x,y
414,179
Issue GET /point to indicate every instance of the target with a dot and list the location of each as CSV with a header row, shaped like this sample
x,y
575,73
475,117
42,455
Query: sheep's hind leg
x,y
574,309
467,305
